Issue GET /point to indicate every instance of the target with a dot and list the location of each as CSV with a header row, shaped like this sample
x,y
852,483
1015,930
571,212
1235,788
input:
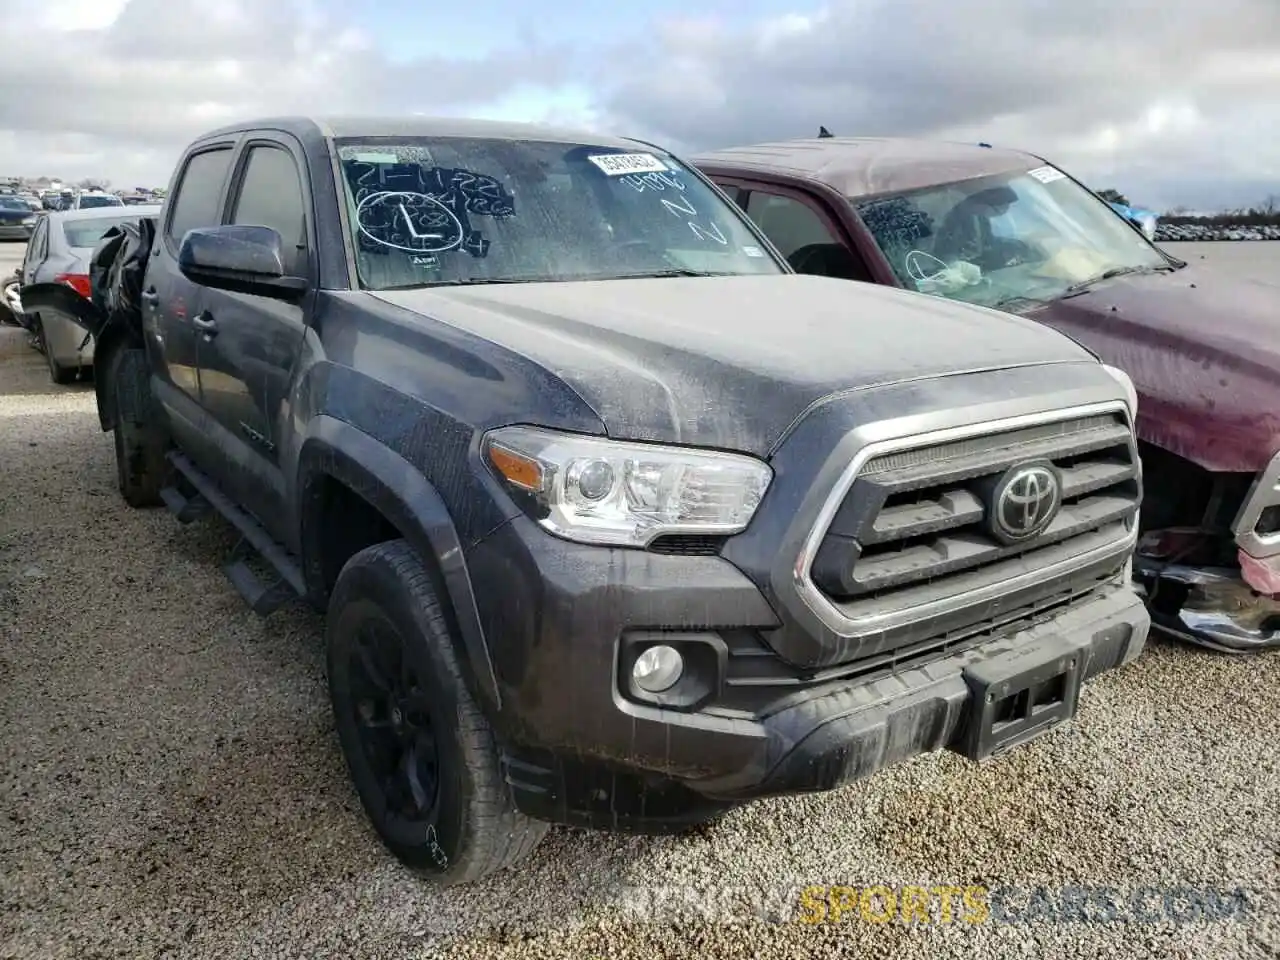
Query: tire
x,y
140,441
455,822
57,372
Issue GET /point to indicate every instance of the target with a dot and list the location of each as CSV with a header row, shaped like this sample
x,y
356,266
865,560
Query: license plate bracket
x,y
1022,694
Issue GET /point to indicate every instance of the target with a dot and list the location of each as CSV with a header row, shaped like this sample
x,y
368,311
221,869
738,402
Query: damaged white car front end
x,y
1234,609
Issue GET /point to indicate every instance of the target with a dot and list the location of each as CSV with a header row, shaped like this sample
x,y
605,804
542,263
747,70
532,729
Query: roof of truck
x,y
358,126
867,166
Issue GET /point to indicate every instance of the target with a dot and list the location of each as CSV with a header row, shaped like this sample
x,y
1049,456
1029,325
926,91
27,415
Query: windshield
x,y
12,203
461,210
96,200
1035,235
87,233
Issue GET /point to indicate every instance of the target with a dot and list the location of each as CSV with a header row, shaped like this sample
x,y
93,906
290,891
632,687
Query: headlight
x,y
29,222
626,494
1130,391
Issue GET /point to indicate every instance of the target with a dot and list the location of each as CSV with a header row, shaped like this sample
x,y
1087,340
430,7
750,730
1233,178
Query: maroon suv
x,y
1007,229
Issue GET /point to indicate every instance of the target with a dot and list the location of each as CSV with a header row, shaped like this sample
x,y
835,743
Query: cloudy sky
x,y
1176,102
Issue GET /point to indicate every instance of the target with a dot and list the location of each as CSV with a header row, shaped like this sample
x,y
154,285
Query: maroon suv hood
x,y
1204,351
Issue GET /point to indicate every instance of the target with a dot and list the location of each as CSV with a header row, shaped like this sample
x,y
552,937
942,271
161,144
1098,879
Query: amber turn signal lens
x,y
517,469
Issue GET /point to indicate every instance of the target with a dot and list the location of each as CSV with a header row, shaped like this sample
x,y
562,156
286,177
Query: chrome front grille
x,y
913,536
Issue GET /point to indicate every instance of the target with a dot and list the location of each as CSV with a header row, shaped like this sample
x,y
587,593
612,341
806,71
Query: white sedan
x,y
58,252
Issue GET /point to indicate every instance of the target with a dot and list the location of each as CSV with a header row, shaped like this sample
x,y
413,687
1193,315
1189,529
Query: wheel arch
x,y
337,453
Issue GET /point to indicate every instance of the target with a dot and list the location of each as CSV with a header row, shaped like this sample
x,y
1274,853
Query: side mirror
x,y
241,259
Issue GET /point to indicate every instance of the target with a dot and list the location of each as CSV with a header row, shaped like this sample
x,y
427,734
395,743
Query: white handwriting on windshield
x,y
406,206
653,181
677,203
681,207
412,222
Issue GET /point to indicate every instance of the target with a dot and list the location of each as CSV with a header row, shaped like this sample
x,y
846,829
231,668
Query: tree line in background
x,y
1265,214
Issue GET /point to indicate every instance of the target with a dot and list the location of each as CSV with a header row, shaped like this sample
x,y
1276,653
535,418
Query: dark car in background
x,y
1009,230
17,219
92,199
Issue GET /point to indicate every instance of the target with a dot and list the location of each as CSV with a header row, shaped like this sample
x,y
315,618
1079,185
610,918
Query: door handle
x,y
205,323
150,296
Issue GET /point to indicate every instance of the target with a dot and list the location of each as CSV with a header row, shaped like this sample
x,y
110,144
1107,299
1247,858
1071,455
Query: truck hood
x,y
732,362
1203,349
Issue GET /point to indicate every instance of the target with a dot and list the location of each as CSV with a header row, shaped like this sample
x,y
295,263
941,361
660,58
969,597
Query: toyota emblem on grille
x,y
1024,502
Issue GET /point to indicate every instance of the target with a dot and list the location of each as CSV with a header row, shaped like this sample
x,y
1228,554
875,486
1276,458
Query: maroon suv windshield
x,y
1033,235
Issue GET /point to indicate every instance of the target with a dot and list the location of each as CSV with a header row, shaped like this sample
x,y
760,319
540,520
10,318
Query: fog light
x,y
657,669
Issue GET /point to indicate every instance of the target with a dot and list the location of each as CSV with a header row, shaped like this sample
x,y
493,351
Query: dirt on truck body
x,y
616,520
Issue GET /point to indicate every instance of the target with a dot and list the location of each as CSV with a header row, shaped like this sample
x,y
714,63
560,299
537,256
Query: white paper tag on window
x,y
375,158
1047,174
621,164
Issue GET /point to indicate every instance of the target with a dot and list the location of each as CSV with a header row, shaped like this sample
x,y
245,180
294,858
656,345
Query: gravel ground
x,y
170,783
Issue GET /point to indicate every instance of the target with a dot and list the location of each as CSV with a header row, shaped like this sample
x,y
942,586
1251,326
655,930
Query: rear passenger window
x,y
196,202
271,196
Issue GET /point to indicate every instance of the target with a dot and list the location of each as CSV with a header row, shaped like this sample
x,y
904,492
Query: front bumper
x,y
11,300
15,232
578,749
1212,607
70,345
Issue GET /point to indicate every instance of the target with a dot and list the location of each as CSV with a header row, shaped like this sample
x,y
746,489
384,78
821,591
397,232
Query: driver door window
x,y
790,224
802,235
271,196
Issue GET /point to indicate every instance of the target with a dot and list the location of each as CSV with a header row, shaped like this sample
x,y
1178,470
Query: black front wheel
x,y
421,754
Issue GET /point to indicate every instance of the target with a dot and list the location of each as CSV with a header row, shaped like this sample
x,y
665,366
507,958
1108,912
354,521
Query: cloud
x,y
1172,101
119,86
1150,95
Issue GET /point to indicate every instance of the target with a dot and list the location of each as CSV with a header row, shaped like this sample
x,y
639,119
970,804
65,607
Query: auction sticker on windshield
x,y
621,164
1047,174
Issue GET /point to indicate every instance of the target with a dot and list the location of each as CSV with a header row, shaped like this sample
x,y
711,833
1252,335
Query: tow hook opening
x,y
1195,591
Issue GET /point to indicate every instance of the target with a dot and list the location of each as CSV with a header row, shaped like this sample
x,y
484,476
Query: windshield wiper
x,y
1017,303
465,281
673,272
476,281
1084,285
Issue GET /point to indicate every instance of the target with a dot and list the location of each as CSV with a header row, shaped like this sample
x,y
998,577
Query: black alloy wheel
x,y
391,712
423,757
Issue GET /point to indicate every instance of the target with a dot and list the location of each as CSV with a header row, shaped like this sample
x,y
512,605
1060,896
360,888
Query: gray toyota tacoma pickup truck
x,y
617,521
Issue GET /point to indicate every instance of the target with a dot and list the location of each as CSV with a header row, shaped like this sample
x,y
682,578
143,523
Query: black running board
x,y
263,596
185,505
